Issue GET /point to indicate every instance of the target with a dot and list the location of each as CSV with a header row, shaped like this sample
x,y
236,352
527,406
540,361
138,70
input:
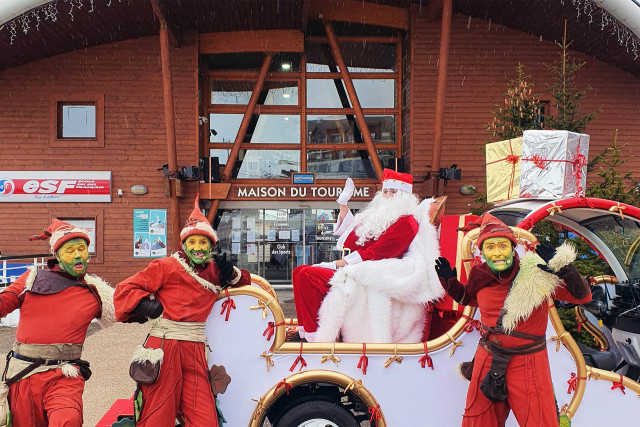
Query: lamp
x,y
452,173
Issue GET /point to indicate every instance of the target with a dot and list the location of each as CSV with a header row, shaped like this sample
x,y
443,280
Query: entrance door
x,y
273,242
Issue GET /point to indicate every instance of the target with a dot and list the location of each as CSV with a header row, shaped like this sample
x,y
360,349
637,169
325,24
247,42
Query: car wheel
x,y
316,413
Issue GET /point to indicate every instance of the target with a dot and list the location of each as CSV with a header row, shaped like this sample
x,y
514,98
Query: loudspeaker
x,y
210,167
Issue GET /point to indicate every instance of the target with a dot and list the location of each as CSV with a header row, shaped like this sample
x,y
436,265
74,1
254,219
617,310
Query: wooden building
x,y
134,94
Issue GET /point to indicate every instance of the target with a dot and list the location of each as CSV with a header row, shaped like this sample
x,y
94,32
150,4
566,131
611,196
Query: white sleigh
x,y
275,380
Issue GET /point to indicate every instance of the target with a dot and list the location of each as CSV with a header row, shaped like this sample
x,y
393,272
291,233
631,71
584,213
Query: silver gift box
x,y
554,164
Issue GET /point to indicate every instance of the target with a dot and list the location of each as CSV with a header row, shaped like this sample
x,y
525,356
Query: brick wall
x,y
129,75
482,59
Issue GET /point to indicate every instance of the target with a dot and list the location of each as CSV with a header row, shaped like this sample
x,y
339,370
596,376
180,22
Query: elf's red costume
x,y
513,306
311,282
187,293
55,311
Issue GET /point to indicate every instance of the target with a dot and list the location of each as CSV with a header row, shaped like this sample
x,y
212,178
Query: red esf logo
x,y
58,186
6,187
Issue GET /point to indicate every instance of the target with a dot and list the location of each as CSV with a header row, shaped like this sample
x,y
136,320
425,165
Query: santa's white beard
x,y
381,213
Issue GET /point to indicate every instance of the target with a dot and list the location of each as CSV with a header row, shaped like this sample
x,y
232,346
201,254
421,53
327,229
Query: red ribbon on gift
x,y
227,305
364,360
300,359
426,359
471,324
618,385
287,386
271,329
375,413
513,160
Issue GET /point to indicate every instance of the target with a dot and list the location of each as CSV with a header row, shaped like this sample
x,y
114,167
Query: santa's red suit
x,y
187,293
518,299
55,311
311,283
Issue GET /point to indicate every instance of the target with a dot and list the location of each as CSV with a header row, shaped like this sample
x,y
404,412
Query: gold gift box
x,y
503,169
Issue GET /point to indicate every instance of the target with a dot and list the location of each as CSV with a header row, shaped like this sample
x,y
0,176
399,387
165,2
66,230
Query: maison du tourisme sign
x,y
55,186
297,192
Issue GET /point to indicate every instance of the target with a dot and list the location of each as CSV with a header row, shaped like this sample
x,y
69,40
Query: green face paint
x,y
498,252
73,256
197,248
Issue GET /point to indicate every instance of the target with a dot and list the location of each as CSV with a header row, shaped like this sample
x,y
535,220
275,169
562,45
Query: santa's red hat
x,y
60,232
493,227
397,180
198,224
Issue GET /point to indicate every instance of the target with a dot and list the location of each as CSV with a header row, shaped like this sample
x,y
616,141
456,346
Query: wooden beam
x,y
364,129
174,35
251,41
441,88
361,13
242,131
170,128
433,10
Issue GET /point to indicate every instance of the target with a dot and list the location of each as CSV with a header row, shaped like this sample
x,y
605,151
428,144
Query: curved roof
x,y
36,29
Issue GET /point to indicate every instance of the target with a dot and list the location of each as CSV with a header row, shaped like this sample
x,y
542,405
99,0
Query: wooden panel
x,y
361,13
214,191
252,41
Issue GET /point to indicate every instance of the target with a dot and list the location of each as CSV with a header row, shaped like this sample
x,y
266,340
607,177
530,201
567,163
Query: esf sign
x,y
55,186
299,192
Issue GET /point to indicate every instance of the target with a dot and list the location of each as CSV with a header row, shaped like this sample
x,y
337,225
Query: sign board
x,y
303,178
55,186
149,233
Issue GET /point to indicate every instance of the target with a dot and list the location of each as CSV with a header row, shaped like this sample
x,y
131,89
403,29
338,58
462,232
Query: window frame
x,y
57,101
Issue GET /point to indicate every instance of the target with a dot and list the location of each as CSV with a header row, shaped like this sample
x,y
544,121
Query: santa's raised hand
x,y
347,192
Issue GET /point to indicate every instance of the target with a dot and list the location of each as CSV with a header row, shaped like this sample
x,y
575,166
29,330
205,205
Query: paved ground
x,y
109,352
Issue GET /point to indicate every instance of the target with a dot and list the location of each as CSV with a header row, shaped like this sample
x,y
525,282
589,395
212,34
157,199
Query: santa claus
x,y
377,292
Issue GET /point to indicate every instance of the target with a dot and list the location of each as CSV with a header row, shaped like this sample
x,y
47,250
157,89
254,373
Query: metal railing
x,y
10,271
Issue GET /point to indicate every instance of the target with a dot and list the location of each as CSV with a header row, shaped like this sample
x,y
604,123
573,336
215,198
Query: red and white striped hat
x,y
60,232
198,224
397,180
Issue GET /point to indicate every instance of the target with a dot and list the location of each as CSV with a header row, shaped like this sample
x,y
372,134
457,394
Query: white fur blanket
x,y
385,300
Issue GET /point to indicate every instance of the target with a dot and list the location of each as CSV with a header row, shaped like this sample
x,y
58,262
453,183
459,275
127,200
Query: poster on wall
x,y
149,233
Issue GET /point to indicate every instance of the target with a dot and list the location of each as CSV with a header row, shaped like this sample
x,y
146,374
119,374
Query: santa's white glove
x,y
330,265
347,192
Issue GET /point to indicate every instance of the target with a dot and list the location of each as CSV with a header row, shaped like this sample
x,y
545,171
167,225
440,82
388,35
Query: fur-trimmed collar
x,y
533,286
191,272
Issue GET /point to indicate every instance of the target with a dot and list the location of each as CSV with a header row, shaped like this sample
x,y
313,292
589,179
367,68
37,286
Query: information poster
x,y
149,233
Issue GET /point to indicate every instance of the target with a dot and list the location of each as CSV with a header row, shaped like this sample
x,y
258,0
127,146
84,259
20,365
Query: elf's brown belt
x,y
494,385
49,351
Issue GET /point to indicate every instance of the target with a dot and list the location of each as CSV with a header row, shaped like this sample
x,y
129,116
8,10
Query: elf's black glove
x,y
225,266
444,270
546,252
150,308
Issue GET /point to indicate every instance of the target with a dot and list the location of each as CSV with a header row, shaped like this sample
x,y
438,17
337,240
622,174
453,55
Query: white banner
x,y
55,186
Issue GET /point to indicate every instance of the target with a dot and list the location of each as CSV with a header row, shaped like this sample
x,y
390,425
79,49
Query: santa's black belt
x,y
494,384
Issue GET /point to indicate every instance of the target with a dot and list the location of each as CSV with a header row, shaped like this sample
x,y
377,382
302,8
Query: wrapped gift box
x,y
503,169
554,164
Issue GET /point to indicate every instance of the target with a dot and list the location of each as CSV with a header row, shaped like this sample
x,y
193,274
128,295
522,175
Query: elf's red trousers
x,y
47,399
530,393
310,286
182,388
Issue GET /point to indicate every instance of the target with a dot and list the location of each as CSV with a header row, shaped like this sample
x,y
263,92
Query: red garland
x,y
426,359
300,359
375,413
364,360
287,386
618,385
227,305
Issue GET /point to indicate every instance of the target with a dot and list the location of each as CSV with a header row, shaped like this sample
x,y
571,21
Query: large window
x,y
304,119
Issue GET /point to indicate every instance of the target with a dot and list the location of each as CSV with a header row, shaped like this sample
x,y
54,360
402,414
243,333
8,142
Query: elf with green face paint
x,y
45,372
510,370
184,287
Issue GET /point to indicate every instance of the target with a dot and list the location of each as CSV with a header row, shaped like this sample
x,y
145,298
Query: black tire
x,y
322,409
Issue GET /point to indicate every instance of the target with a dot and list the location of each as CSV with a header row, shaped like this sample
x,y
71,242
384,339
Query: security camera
x,y
120,192
202,120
